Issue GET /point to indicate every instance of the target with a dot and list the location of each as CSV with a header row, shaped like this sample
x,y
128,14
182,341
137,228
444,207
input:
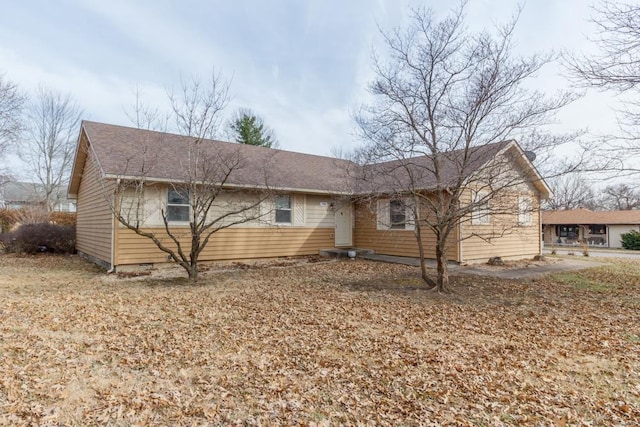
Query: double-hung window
x,y
480,209
524,210
395,214
398,215
178,205
283,209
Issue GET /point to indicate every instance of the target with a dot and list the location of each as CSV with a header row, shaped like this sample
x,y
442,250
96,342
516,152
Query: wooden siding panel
x,y
94,222
503,236
231,243
394,242
318,212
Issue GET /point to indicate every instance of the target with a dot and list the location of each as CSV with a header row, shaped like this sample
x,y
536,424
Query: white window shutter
x,y
267,212
410,221
383,215
298,209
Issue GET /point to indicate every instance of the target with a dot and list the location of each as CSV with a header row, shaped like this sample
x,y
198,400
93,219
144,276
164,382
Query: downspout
x,y
542,228
113,249
113,239
459,242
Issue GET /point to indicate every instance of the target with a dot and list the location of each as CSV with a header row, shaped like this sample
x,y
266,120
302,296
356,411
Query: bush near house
x,y
32,230
631,240
42,237
63,218
7,219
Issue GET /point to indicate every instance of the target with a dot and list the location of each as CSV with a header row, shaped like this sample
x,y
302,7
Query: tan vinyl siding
x,y
503,236
394,242
231,243
307,210
94,222
318,212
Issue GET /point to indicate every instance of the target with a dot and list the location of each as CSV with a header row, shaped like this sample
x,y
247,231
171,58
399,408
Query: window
x,y
524,210
597,229
178,205
480,211
395,214
283,209
568,231
398,215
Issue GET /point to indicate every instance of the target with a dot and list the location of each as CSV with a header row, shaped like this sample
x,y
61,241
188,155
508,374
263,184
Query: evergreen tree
x,y
248,128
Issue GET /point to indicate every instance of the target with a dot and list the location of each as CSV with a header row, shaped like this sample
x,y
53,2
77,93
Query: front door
x,y
344,227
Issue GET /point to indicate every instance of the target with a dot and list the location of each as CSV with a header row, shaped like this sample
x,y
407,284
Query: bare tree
x,y
143,116
615,66
203,200
571,191
52,123
12,101
444,98
621,197
196,109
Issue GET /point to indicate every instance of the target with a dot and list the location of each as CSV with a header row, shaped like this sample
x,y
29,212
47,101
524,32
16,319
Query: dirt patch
x,y
514,265
171,271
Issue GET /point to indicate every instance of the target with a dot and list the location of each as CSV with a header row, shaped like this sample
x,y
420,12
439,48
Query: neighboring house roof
x,y
17,193
586,216
22,192
123,152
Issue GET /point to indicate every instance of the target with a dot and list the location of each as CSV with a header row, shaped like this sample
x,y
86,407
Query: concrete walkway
x,y
560,265
595,252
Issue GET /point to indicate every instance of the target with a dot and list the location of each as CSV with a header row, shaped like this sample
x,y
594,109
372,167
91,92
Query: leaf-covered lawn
x,y
350,342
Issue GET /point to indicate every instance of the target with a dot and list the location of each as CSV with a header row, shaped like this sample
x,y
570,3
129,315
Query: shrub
x,y
7,219
631,240
43,237
11,218
63,218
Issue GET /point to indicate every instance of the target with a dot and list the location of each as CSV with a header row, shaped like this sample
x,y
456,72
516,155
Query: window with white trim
x,y
394,214
480,211
398,215
524,210
283,209
178,206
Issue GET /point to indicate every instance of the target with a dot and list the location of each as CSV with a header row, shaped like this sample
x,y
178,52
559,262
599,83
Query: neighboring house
x,y
597,228
18,195
315,204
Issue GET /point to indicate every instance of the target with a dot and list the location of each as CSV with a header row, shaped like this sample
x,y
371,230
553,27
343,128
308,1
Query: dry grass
x,y
350,342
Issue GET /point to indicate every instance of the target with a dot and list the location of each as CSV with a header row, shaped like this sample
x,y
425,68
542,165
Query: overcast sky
x,y
301,65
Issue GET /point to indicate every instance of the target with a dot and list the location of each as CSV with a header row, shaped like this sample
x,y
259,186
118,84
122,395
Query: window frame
x,y
384,215
399,205
289,209
185,196
572,231
480,213
525,211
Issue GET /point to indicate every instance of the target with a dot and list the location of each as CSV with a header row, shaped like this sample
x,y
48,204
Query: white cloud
x,y
303,66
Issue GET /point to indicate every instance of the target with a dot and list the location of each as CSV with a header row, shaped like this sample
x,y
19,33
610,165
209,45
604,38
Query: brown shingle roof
x,y
124,151
127,152
586,216
391,175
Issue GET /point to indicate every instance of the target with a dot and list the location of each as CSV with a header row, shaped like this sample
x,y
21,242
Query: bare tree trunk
x,y
423,267
442,267
194,253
